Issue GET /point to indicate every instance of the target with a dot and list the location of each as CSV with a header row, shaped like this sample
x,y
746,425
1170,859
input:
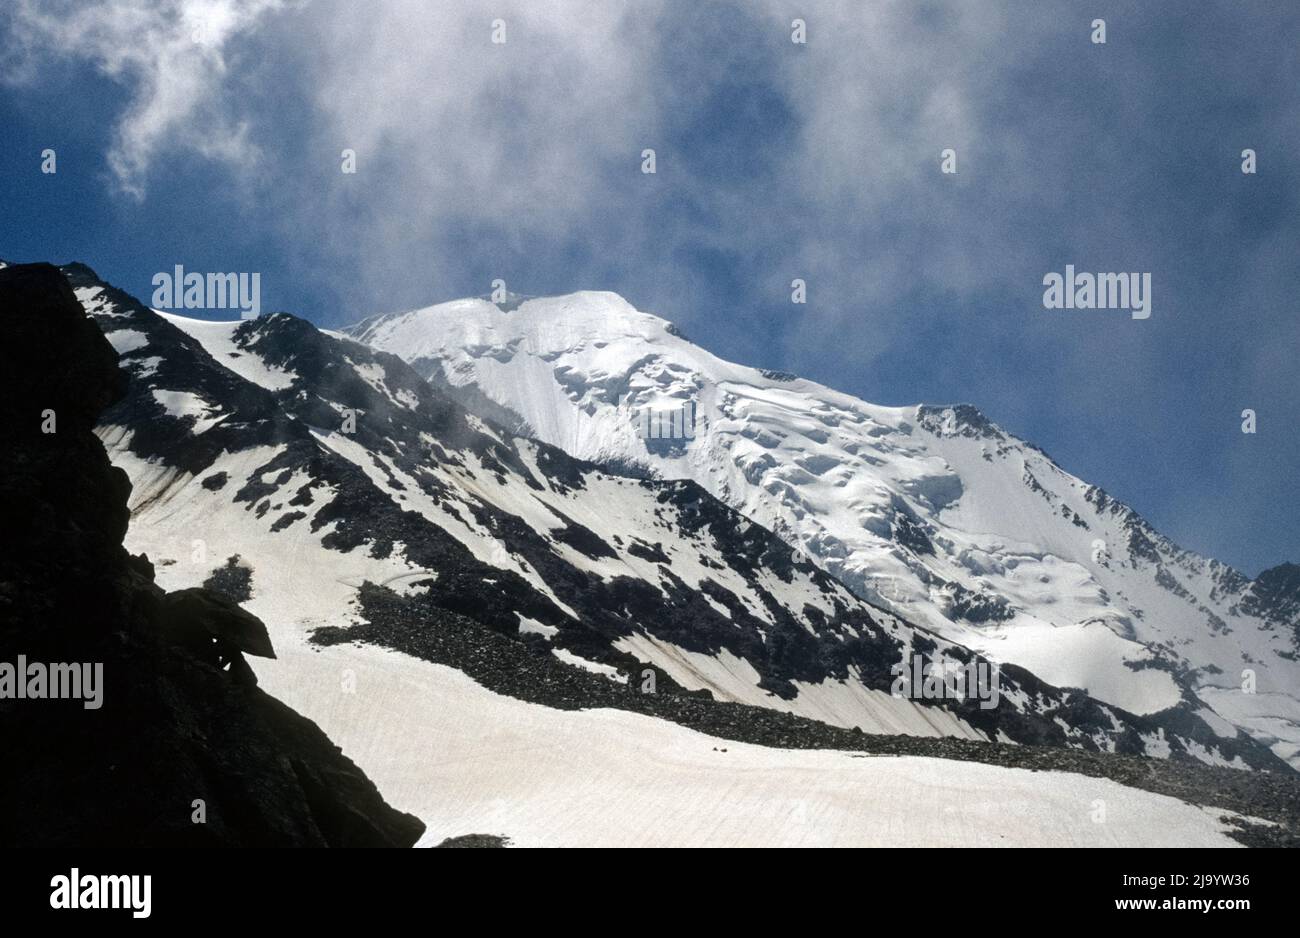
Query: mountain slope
x,y
314,461
933,512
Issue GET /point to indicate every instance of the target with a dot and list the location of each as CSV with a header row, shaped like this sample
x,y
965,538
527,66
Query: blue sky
x,y
208,133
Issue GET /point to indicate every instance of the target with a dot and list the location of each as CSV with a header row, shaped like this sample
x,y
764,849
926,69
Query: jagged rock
x,y
212,614
1275,595
181,750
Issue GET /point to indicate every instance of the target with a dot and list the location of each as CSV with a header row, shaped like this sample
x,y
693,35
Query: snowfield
x,y
465,760
217,339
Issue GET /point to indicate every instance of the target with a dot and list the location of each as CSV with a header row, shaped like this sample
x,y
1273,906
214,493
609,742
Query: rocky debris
x,y
234,580
182,749
476,840
528,671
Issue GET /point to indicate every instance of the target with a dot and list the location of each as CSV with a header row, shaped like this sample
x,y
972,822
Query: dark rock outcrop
x,y
1275,595
182,748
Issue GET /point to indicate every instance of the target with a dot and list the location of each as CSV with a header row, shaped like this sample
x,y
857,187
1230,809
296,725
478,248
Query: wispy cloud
x,y
171,55
456,134
820,161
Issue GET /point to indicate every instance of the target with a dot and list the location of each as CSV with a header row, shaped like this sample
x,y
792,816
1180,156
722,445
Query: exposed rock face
x,y
183,749
1274,595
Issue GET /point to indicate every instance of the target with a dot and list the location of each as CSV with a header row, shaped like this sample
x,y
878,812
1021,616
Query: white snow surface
x,y
1095,595
182,404
218,340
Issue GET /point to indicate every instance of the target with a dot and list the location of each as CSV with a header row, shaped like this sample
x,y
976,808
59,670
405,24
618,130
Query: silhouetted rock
x,y
177,746
216,618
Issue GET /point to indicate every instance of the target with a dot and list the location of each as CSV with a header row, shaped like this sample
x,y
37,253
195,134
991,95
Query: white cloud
x,y
520,139
171,54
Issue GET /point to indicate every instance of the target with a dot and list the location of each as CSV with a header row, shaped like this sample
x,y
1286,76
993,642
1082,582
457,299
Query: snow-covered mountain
x,y
935,513
500,697
346,499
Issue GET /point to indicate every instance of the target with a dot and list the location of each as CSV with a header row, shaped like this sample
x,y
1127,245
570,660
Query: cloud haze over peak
x,y
214,131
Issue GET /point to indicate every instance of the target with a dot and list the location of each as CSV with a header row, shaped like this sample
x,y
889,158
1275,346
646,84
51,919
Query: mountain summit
x,y
933,512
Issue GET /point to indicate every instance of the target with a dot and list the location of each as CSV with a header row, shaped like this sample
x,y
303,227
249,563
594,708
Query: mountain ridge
x,y
948,517
210,396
